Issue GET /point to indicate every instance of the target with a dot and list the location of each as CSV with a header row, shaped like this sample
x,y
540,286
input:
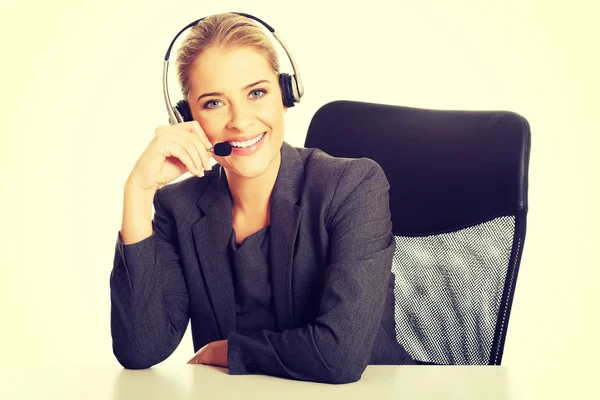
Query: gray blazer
x,y
331,257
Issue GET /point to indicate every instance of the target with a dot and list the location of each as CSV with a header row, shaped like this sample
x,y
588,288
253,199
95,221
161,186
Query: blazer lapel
x,y
285,220
212,234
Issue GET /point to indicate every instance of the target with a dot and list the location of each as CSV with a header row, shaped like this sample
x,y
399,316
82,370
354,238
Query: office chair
x,y
458,199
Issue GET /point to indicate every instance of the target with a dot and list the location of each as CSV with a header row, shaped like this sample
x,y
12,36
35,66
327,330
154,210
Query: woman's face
x,y
236,98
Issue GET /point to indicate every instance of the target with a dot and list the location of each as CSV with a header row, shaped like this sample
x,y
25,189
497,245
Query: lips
x,y
248,139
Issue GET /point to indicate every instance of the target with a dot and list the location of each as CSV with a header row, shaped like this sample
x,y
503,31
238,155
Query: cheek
x,y
211,128
273,112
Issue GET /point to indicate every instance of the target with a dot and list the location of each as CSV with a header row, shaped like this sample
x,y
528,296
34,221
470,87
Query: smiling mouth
x,y
247,143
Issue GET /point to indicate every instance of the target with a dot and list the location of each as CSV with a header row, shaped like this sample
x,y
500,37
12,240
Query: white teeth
x,y
247,142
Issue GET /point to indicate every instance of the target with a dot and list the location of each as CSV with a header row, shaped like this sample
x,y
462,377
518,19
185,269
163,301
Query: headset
x,y
292,88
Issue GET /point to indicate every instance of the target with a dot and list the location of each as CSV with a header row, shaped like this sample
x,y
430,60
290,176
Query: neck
x,y
251,197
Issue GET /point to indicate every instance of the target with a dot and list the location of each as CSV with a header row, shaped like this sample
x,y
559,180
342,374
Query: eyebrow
x,y
221,94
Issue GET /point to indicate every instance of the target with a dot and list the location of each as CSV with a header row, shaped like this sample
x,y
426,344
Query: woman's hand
x,y
214,353
174,150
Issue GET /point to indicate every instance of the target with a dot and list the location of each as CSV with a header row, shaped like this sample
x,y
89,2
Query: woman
x,y
280,256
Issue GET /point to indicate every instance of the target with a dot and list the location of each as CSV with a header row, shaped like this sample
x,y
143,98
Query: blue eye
x,y
261,91
207,104
255,94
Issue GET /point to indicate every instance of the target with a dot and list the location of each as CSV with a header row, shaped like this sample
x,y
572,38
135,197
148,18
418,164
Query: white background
x,y
81,85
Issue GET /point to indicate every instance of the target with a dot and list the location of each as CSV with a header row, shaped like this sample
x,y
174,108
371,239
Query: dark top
x,y
251,273
331,251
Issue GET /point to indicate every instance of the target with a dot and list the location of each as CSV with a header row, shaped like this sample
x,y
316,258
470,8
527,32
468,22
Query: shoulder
x,y
348,190
343,173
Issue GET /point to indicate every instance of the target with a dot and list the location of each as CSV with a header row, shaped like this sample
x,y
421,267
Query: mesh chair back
x,y
458,198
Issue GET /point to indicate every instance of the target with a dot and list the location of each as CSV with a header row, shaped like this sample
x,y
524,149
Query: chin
x,y
257,167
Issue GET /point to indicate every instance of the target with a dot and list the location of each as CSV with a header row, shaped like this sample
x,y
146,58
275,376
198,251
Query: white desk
x,y
174,382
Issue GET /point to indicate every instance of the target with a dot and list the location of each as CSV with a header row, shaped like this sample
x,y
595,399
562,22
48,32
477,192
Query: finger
x,y
205,156
186,134
184,156
202,152
190,144
168,148
161,129
197,358
197,129
192,361
194,148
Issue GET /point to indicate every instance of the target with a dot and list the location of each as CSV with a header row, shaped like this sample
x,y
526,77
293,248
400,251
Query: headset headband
x,y
298,87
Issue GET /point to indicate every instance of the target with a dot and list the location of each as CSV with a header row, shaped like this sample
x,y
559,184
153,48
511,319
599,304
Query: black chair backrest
x,y
458,198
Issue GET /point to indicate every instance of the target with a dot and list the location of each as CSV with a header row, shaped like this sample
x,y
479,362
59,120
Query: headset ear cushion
x,y
184,109
287,94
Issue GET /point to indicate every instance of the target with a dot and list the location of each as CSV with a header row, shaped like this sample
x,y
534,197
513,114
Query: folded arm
x,y
149,301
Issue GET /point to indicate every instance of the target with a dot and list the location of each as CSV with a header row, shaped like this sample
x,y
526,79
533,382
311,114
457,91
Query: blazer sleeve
x,y
337,346
149,301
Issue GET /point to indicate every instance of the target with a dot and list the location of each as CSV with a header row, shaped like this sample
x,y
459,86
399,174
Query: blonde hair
x,y
227,30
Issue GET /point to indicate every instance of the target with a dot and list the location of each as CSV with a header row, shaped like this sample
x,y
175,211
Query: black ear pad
x,y
184,109
285,82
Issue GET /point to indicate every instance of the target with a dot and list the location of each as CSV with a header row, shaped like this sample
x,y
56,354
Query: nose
x,y
240,117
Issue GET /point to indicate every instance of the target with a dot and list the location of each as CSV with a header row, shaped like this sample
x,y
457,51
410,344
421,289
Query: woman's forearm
x,y
137,213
